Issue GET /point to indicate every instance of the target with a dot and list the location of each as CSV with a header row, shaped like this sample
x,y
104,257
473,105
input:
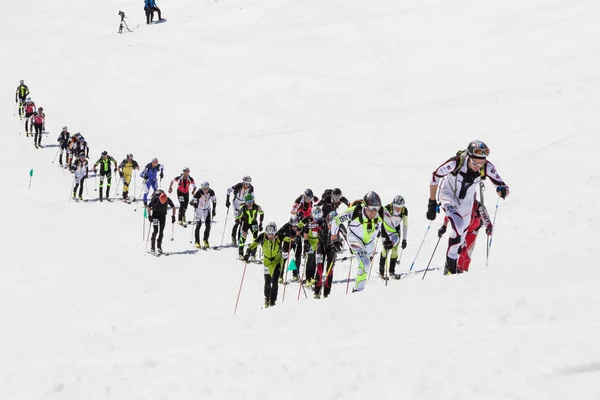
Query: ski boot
x,y
198,245
80,197
206,245
450,267
392,269
160,251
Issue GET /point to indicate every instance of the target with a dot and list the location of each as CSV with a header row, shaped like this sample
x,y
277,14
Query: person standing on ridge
x,y
463,175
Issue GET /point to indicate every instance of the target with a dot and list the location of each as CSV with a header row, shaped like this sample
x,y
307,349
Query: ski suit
x,y
362,238
248,220
105,172
292,239
206,208
272,261
457,192
239,190
63,142
325,258
185,185
158,217
81,172
150,7
397,222
20,97
29,109
151,174
39,122
328,204
303,207
126,172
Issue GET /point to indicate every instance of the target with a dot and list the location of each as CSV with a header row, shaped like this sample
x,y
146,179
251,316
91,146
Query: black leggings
x,y
271,286
38,133
206,229
184,199
158,223
79,183
150,14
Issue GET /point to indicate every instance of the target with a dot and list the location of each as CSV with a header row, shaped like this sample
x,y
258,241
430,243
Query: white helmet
x,y
65,129
247,179
28,98
205,185
271,228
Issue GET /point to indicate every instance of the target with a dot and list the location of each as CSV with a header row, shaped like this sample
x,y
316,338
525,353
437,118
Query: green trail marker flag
x,y
30,176
292,266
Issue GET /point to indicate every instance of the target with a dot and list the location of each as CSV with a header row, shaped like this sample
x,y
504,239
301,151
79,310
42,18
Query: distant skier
x,y
250,219
21,95
464,174
185,185
81,172
104,161
303,205
29,109
150,7
326,254
395,218
205,203
239,190
157,215
39,124
479,218
271,243
63,143
126,172
331,200
292,237
151,174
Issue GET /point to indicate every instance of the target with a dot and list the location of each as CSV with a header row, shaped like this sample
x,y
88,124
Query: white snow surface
x,y
362,95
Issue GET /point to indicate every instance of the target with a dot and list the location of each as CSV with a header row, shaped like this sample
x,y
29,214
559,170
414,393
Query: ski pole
x,y
429,263
134,185
302,279
117,188
387,267
172,231
95,182
372,257
138,203
57,150
72,188
240,291
421,245
487,255
348,280
147,237
224,227
286,265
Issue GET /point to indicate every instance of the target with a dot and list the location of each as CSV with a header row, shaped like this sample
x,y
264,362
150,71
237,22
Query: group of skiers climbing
x,y
35,119
311,240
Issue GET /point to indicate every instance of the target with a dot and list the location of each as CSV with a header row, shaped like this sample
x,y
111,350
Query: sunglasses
x,y
373,208
478,164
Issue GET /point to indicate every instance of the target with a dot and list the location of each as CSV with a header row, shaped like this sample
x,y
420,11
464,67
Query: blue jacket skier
x,y
151,174
150,7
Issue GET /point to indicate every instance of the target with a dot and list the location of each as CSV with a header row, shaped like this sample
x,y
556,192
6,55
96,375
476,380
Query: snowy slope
x,y
364,96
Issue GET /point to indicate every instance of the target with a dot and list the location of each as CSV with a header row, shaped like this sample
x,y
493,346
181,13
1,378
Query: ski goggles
x,y
249,201
373,208
481,152
336,197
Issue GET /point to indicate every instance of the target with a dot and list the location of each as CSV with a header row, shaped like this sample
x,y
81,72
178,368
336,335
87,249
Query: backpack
x,y
29,107
327,192
460,157
39,118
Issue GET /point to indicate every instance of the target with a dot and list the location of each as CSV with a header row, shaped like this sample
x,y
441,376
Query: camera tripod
x,y
123,24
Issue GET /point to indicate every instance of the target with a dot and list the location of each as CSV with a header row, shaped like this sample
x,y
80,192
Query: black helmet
x,y
336,194
372,199
308,193
104,153
478,149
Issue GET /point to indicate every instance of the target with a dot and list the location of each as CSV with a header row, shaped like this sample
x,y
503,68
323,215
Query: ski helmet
x,y
372,200
186,169
205,185
21,82
398,201
317,213
271,228
155,160
248,197
331,216
65,129
81,138
246,179
41,109
163,198
28,98
82,156
130,155
104,153
478,149
294,220
308,193
336,194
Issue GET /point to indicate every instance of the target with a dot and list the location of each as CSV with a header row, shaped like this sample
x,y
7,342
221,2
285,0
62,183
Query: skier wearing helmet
x,y
63,143
364,220
157,215
151,174
81,172
39,124
250,218
464,174
395,218
205,203
303,204
125,173
29,109
239,190
104,161
185,185
271,242
21,95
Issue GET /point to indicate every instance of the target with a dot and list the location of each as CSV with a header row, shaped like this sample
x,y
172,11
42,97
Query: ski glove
x,y
227,202
387,244
260,227
336,246
441,231
162,175
502,191
172,219
214,213
432,209
403,245
150,218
